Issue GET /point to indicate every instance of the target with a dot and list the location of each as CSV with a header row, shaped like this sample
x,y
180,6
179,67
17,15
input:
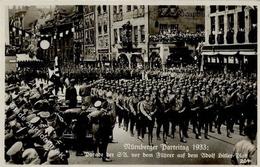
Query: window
x,y
221,23
231,7
221,8
241,20
212,24
129,8
104,8
105,28
213,9
230,21
163,28
99,10
142,6
135,34
135,7
142,33
120,8
115,36
99,29
115,9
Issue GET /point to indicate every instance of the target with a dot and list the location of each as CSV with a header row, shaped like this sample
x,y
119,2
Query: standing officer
x,y
71,95
111,108
105,132
94,118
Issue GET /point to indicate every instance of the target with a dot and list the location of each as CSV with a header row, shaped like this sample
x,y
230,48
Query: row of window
x,y
230,22
129,8
213,9
174,27
136,33
104,29
102,10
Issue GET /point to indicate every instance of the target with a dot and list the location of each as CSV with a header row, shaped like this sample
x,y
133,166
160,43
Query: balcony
x,y
170,38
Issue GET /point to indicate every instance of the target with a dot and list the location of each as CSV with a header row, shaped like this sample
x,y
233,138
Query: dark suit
x,y
71,96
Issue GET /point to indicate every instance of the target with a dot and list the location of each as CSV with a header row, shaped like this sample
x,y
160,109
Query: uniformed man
x,y
133,101
162,115
85,92
105,132
110,106
15,153
148,117
119,107
71,95
94,118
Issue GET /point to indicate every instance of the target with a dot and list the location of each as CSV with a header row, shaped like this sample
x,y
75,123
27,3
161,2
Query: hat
x,y
147,93
97,104
16,147
35,120
26,94
15,97
44,114
109,94
49,130
53,155
30,117
72,80
29,155
8,98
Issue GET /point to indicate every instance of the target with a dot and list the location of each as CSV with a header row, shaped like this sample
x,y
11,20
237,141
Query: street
x,y
121,155
209,149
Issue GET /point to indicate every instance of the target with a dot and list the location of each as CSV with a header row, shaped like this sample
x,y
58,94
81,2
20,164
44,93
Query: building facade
x,y
89,35
129,35
174,34
78,33
230,38
103,35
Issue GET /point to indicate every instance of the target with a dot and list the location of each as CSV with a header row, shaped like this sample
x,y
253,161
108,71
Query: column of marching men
x,y
181,101
200,103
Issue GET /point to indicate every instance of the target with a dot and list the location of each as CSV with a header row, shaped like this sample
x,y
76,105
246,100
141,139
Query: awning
x,y
26,58
228,53
209,53
247,53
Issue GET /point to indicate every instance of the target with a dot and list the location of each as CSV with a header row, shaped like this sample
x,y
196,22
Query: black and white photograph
x,y
130,84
